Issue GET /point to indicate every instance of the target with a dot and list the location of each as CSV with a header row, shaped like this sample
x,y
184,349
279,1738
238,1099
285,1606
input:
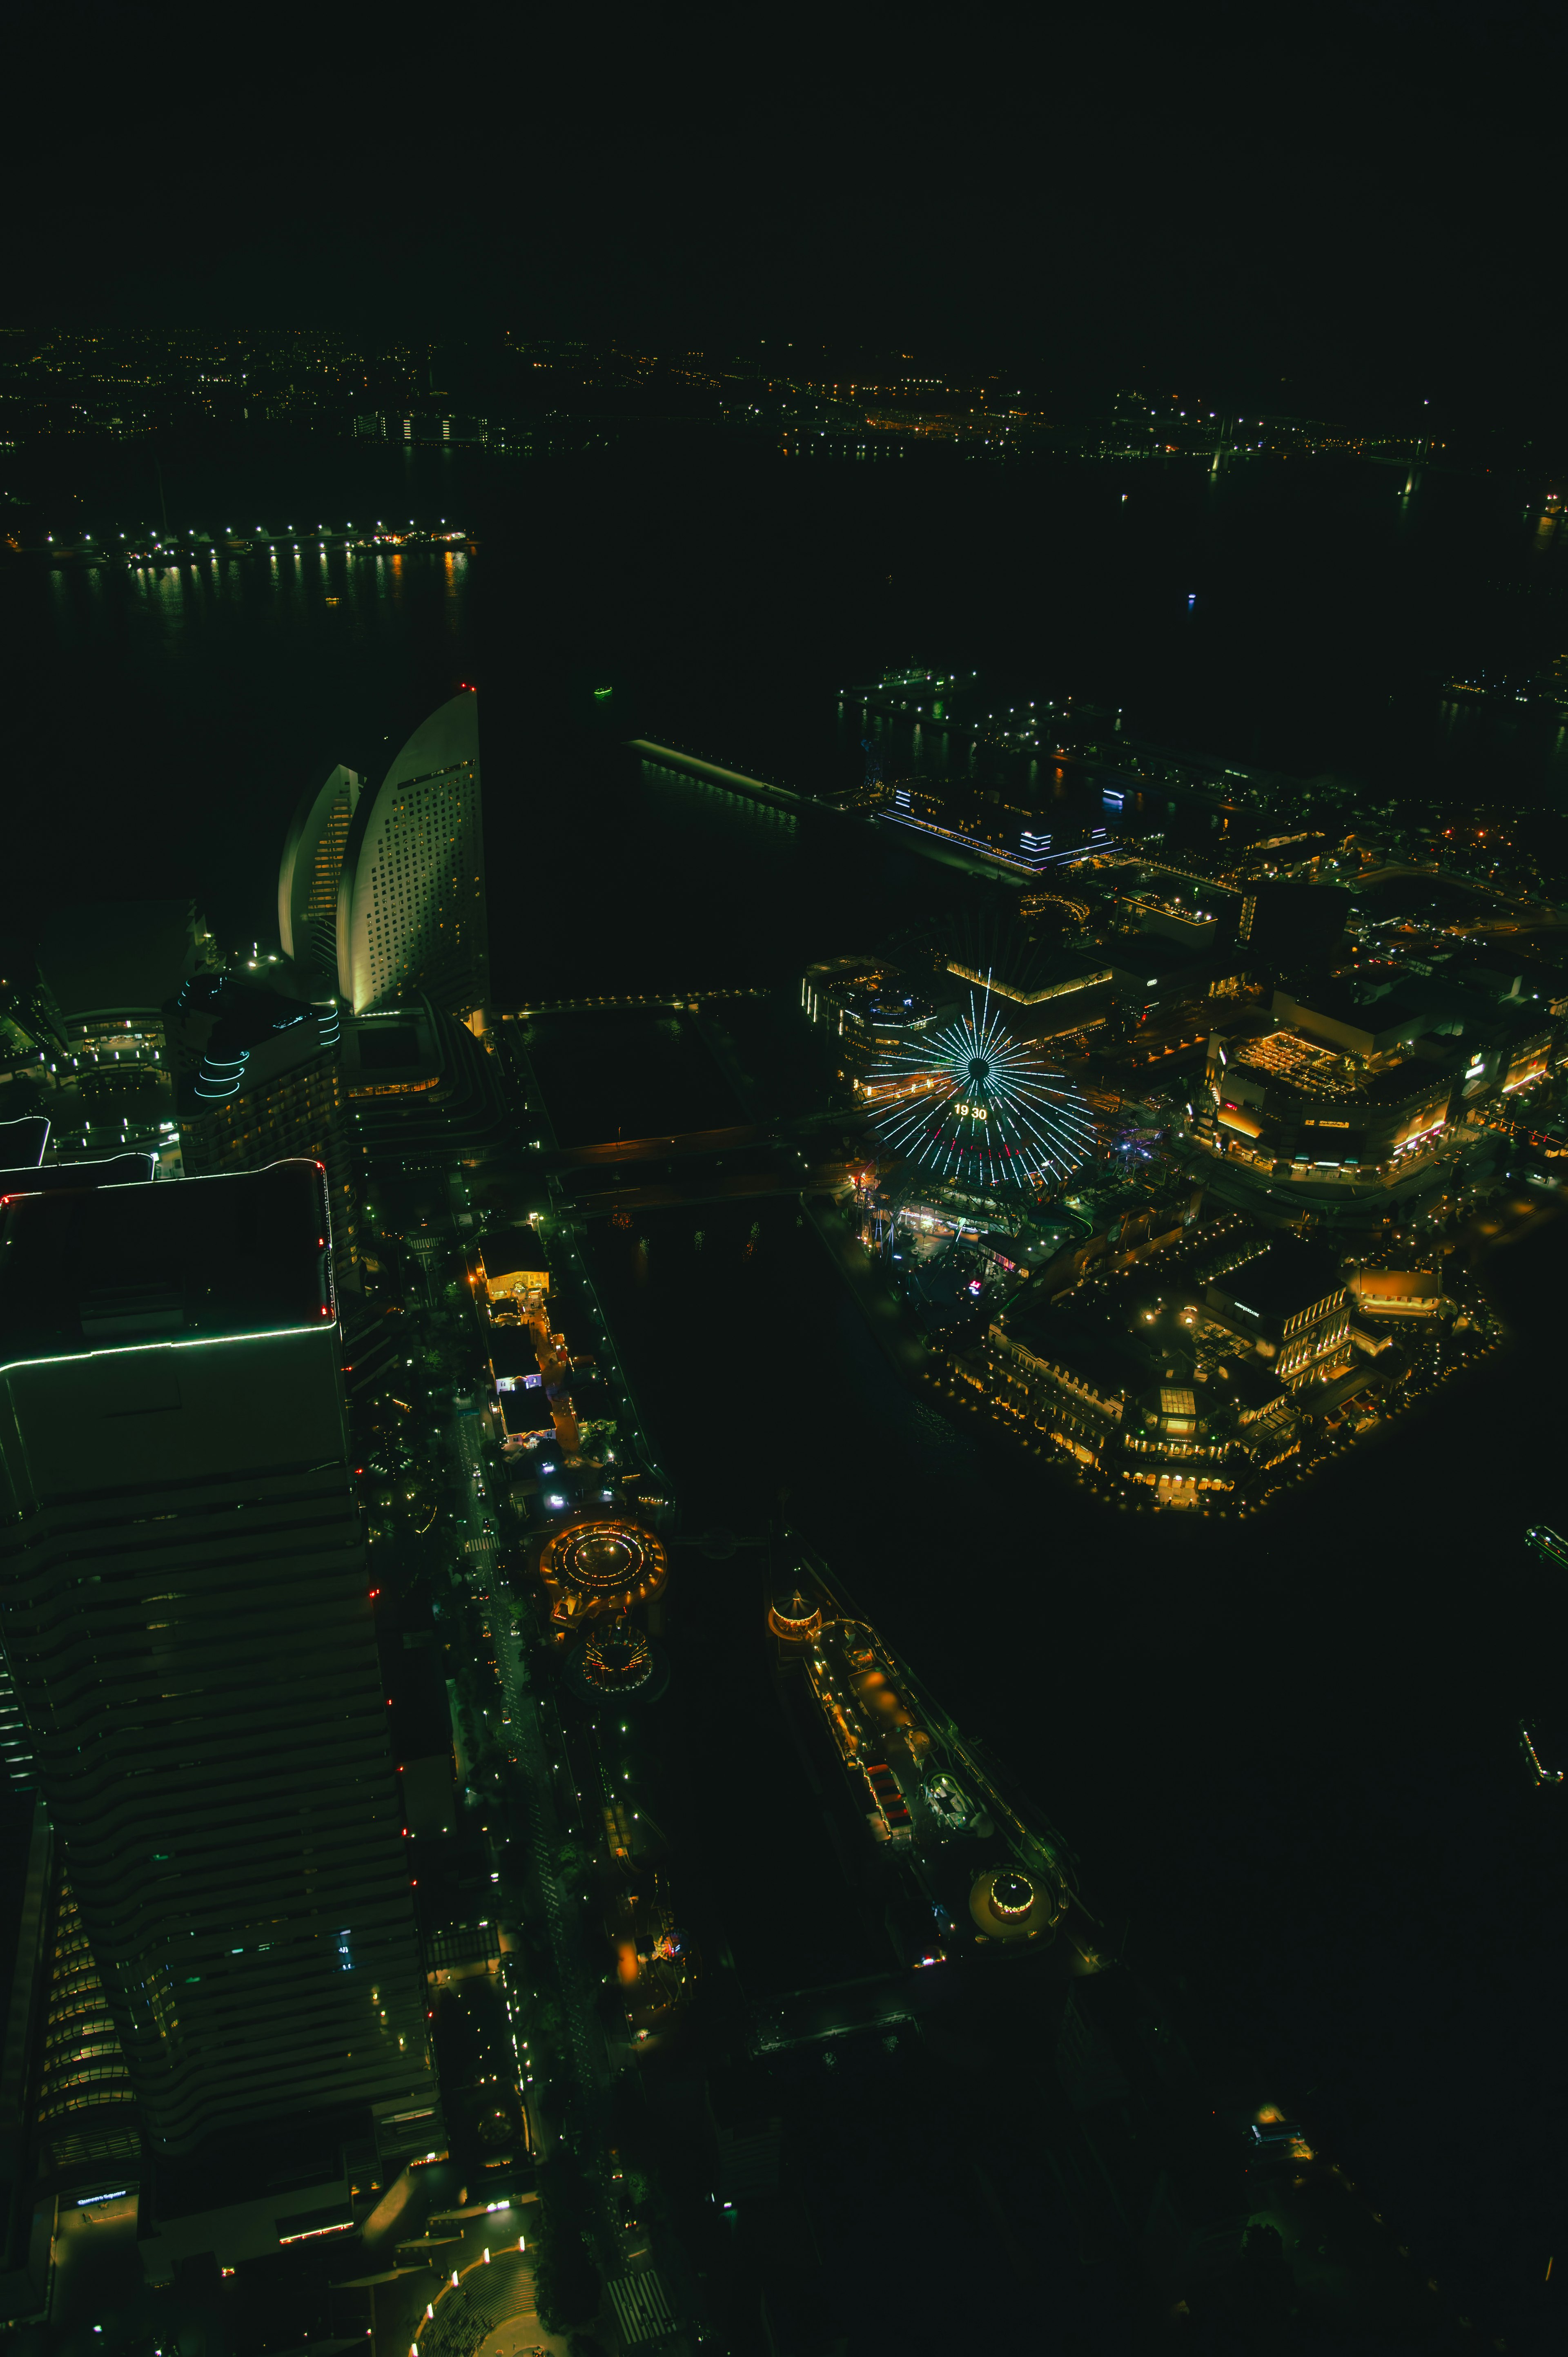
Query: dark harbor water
x,y
171,721
1285,1752
627,1075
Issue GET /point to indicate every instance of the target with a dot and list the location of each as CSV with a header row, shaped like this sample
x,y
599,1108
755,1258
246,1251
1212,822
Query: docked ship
x,y
964,1864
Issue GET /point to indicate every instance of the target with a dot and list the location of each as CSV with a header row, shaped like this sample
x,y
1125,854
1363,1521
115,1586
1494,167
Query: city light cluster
x,y
977,1106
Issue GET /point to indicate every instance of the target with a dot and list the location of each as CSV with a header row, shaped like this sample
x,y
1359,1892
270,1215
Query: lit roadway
x,y
542,1781
649,1149
476,1519
497,2289
791,1172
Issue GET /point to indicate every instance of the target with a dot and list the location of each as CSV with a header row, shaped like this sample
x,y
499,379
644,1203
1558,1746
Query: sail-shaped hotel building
x,y
381,891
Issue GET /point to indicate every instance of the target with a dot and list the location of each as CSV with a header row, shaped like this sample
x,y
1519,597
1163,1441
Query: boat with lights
x,y
964,1862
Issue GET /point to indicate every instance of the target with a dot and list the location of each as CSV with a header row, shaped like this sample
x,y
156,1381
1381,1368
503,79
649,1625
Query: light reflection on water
x,y
1329,611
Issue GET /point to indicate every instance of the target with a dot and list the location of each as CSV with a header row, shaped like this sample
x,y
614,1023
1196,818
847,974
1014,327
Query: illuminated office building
x,y
85,2103
381,891
28,1136
307,879
411,898
15,1743
184,1608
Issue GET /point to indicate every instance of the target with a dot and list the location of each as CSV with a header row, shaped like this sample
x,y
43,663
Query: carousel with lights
x,y
796,1620
596,1574
618,1665
599,1569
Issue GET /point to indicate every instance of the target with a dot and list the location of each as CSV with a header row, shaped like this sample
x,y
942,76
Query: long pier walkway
x,y
672,757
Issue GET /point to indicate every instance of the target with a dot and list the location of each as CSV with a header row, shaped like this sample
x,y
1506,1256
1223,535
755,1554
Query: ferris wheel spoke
x,y
979,1107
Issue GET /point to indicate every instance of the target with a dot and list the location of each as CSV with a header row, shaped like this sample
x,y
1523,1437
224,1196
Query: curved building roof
x,y
307,879
411,898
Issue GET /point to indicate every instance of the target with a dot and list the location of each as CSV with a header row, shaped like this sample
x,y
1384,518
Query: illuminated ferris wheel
x,y
978,1108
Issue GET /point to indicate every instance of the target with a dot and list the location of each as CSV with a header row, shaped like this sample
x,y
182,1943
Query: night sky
x,y
1319,208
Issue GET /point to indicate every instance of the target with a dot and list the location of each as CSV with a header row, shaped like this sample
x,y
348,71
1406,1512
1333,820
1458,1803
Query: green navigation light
x,y
601,692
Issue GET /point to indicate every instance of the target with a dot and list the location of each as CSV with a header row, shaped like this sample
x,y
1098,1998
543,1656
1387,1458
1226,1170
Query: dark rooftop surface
x,y
1447,998
1426,895
1047,968
512,1350
1100,1348
147,1263
106,956
1376,1010
378,1048
1289,1276
525,1411
1461,999
22,1142
1150,959
1248,1381
394,1047
115,1171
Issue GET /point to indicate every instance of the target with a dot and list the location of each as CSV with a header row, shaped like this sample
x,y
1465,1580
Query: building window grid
x,y
393,877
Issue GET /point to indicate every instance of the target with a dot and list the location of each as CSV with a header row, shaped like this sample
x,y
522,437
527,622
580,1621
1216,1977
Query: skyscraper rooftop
x,y
184,1610
86,1271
